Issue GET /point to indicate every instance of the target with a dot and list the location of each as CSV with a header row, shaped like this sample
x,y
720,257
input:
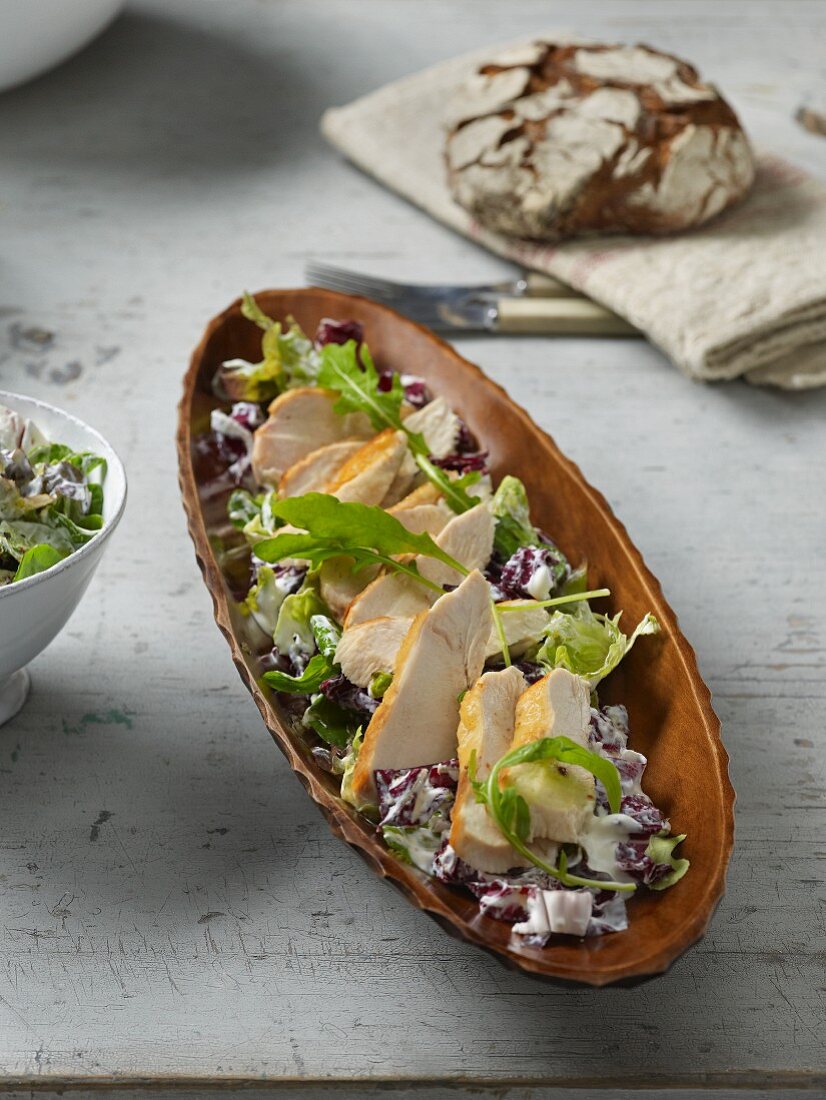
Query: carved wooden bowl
x,y
669,705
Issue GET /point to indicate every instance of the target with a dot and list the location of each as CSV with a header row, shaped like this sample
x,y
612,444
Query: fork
x,y
529,285
531,304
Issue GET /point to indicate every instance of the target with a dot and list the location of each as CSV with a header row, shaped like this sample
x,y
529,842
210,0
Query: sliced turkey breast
x,y
313,472
560,796
371,647
367,475
441,656
439,425
301,421
486,724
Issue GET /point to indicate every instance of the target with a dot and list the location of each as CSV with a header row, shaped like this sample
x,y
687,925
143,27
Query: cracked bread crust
x,y
558,139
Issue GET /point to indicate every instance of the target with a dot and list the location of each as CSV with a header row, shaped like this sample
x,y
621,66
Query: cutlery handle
x,y
559,317
545,286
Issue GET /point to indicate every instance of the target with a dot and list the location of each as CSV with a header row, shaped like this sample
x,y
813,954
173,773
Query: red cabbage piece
x,y
247,414
340,690
221,461
418,796
631,857
648,818
463,463
338,332
521,569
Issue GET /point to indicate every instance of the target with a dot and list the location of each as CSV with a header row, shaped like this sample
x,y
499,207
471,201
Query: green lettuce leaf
x,y
327,634
289,359
587,644
317,671
661,850
347,767
293,633
37,560
242,508
414,844
264,601
513,519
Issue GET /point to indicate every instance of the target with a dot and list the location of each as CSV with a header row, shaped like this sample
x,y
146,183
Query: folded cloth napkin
x,y
743,296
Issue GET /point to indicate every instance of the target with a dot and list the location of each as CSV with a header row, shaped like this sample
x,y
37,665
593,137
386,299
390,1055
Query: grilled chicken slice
x,y
486,724
560,796
522,628
367,475
339,585
390,594
468,538
439,425
424,518
301,421
441,656
371,647
407,475
426,493
313,472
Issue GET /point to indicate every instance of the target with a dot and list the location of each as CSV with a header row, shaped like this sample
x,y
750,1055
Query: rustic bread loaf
x,y
558,139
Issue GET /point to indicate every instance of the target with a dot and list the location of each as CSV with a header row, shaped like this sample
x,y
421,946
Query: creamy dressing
x,y
600,838
541,583
222,424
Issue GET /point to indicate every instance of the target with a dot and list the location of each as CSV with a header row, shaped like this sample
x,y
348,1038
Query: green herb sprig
x,y
512,814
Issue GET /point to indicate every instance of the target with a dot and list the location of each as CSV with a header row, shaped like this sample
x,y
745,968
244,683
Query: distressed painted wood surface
x,y
171,906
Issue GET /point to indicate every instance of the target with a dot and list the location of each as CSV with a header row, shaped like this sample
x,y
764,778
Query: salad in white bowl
x,y
436,650
62,493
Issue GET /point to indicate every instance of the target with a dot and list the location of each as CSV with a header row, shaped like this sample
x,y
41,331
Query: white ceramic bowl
x,y
37,34
34,611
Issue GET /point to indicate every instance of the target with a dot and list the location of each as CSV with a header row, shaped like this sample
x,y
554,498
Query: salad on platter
x,y
51,498
435,649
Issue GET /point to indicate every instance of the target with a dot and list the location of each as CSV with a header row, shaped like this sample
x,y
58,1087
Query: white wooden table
x,y
173,908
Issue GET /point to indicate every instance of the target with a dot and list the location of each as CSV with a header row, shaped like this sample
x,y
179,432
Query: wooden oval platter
x,y
669,705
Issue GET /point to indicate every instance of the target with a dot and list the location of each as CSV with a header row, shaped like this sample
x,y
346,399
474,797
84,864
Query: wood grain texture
x,y
670,711
211,928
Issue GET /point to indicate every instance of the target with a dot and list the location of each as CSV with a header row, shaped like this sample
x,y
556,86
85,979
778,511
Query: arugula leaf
x,y
365,533
661,850
317,671
358,385
331,722
511,812
38,559
587,644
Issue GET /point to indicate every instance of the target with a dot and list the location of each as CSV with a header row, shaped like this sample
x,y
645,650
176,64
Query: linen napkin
x,y
743,296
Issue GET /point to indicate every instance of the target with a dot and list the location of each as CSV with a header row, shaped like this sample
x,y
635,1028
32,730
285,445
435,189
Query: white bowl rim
x,y
99,536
